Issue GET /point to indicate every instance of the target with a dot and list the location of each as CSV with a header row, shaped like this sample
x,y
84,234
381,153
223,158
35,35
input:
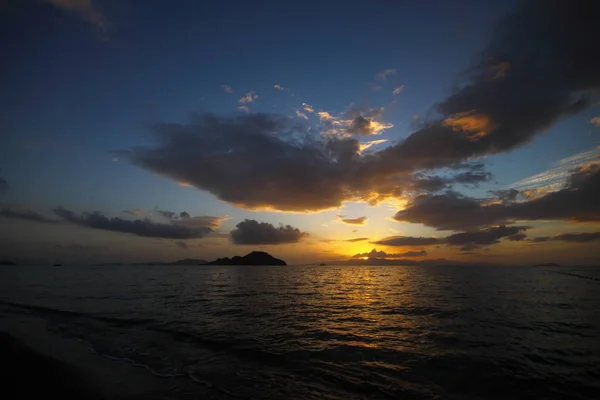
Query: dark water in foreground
x,y
332,332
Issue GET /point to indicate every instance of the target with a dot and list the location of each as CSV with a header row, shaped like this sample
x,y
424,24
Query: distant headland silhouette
x,y
253,258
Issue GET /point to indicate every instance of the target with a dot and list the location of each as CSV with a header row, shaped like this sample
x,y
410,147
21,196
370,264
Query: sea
x,y
330,332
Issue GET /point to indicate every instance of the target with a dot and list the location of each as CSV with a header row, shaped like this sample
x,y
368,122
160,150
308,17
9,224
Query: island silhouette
x,y
253,258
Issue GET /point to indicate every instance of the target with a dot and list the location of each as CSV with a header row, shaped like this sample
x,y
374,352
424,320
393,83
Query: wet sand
x,y
39,363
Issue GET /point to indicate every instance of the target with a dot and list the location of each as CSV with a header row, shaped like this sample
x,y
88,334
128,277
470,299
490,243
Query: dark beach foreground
x,y
39,363
30,373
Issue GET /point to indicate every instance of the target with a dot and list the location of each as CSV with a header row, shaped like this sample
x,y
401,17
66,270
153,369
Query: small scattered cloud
x,y
382,254
383,75
249,97
353,221
181,244
253,232
85,9
279,87
356,240
301,114
244,109
308,108
227,88
398,90
595,121
325,116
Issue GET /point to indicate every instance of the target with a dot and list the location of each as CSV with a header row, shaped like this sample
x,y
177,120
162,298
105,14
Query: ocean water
x,y
331,332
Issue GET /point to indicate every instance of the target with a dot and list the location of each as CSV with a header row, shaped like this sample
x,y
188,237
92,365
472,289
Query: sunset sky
x,y
316,131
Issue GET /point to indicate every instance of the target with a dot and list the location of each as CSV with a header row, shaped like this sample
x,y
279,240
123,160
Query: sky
x,y
414,131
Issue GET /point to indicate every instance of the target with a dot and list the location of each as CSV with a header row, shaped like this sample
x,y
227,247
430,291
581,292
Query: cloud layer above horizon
x,y
512,93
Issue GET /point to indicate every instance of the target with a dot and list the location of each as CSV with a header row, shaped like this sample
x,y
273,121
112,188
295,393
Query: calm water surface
x,y
332,332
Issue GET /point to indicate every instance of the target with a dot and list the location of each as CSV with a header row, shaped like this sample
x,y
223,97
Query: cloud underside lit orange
x,y
474,125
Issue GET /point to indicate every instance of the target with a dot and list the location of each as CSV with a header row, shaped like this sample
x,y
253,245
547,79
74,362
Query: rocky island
x,y
254,258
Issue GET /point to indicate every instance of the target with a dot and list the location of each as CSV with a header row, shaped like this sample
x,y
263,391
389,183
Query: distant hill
x,y
188,261
185,261
254,258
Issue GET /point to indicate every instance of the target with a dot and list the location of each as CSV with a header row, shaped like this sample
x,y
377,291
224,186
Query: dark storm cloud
x,y
471,178
255,161
25,214
250,231
569,237
578,237
540,65
382,254
366,123
466,240
541,239
353,221
140,227
517,237
483,237
450,211
80,247
408,241
184,218
505,196
429,183
425,183
579,200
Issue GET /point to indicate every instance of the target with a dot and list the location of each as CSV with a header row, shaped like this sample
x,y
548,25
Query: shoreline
x,y
41,362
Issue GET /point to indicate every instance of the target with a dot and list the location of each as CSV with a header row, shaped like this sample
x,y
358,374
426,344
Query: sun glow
x,y
365,258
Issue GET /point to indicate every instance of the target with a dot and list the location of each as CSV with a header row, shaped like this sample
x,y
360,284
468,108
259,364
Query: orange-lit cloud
x,y
476,125
301,114
595,121
308,108
364,146
227,88
353,221
249,97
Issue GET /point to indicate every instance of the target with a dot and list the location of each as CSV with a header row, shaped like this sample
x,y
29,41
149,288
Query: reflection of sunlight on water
x,y
357,306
